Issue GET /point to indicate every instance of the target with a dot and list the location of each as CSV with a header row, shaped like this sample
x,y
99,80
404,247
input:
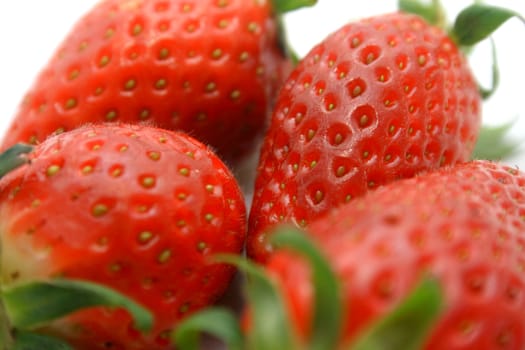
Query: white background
x,y
30,30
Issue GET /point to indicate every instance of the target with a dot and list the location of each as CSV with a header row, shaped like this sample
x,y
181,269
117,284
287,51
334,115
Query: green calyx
x,y
285,6
32,305
270,324
280,8
494,143
432,12
14,157
406,326
328,302
34,341
478,21
270,327
472,25
218,322
6,338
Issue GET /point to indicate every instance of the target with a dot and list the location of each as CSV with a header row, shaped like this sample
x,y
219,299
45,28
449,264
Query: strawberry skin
x,y
136,208
378,100
463,225
208,67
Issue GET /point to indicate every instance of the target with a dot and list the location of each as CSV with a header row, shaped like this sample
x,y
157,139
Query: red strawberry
x,y
378,100
135,208
463,225
209,67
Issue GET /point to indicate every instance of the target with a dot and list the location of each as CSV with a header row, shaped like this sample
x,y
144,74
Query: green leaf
x,y
487,93
432,12
284,6
270,326
218,322
326,325
478,21
494,144
36,303
6,338
33,341
13,157
408,325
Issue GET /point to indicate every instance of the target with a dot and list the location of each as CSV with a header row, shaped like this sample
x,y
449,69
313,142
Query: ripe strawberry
x,y
463,225
135,208
209,67
378,100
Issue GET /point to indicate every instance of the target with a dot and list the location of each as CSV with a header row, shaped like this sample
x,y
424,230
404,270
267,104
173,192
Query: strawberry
x,y
134,208
209,67
378,100
463,225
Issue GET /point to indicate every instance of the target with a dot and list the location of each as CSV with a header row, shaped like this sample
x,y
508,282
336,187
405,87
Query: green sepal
x,y
432,12
281,7
284,6
493,143
478,21
218,322
270,326
34,341
487,93
328,308
409,324
33,304
6,338
13,157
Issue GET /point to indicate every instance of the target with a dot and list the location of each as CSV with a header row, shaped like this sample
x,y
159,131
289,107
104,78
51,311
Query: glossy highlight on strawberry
x,y
208,67
378,100
134,208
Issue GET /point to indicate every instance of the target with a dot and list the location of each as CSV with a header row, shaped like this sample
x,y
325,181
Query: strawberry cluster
x,y
370,225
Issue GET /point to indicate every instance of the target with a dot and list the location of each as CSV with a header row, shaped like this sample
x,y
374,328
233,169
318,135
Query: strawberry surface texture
x,y
208,67
463,225
135,208
380,99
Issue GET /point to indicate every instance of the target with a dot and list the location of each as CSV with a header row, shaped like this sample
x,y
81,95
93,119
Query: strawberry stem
x,y
13,157
487,93
285,6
